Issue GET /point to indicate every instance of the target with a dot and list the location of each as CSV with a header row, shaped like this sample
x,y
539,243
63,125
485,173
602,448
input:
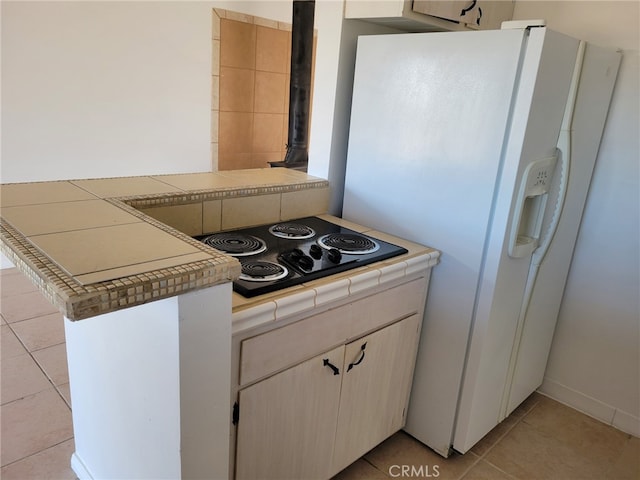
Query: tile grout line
x,y
36,453
49,379
485,454
472,466
2,299
28,351
367,460
64,400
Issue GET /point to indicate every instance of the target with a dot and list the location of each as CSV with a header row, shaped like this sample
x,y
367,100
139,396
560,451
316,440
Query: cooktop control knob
x,y
305,262
315,251
334,255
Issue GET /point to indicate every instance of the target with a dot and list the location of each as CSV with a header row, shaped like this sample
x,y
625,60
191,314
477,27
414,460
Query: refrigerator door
x,y
597,80
429,117
538,108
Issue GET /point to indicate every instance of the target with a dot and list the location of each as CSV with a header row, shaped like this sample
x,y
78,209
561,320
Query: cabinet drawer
x,y
273,351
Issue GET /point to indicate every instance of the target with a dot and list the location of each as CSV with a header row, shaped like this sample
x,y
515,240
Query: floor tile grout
x,y
484,455
36,453
366,460
470,467
501,437
51,385
47,376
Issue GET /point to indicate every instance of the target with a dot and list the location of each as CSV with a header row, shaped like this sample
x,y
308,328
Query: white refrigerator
x,y
482,145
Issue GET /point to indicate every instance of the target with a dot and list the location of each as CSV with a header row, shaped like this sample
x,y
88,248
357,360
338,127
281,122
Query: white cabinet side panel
x,y
124,378
205,381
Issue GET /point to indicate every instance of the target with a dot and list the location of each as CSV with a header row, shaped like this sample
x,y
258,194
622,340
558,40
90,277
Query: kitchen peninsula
x,y
155,364
103,250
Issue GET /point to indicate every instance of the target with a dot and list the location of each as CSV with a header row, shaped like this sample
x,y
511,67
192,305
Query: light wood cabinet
x,y
288,422
397,14
448,10
431,15
315,418
375,391
300,410
483,14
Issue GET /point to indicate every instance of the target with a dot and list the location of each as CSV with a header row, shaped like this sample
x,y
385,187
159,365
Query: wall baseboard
x,y
608,414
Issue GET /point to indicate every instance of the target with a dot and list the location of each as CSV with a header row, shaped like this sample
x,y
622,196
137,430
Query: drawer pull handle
x,y
351,365
327,363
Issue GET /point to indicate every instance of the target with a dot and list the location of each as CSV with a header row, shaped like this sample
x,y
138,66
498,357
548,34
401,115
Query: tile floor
x,y
541,440
37,433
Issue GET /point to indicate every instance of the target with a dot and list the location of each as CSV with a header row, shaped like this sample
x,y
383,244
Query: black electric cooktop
x,y
276,256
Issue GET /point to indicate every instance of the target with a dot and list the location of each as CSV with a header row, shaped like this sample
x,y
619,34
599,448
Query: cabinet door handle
x,y
469,8
327,363
359,361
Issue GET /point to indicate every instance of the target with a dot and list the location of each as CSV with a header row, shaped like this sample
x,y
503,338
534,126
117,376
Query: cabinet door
x,y
494,12
288,421
449,10
484,14
375,389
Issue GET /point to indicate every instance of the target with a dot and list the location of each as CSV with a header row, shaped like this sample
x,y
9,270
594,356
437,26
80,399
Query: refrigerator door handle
x,y
564,167
564,152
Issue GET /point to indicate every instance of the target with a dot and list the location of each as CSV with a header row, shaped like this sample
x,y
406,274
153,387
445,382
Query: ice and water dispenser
x,y
530,207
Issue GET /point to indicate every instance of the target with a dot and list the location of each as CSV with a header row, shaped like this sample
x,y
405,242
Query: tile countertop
x,y
90,250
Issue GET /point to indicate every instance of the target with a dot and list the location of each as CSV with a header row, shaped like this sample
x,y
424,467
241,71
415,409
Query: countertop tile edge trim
x,y
78,302
422,261
367,279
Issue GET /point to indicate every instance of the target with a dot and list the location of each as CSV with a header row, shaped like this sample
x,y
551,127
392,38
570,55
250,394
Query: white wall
x,y
595,358
97,89
328,18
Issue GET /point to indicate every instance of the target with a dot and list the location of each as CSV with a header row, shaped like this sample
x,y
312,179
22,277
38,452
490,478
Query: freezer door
x,y
429,117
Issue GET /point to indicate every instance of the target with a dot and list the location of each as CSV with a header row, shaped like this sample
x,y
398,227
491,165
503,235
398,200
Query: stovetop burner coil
x,y
292,230
236,244
348,243
259,271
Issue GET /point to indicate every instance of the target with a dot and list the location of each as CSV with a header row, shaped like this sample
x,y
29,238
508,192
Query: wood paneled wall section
x,y
253,91
250,90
